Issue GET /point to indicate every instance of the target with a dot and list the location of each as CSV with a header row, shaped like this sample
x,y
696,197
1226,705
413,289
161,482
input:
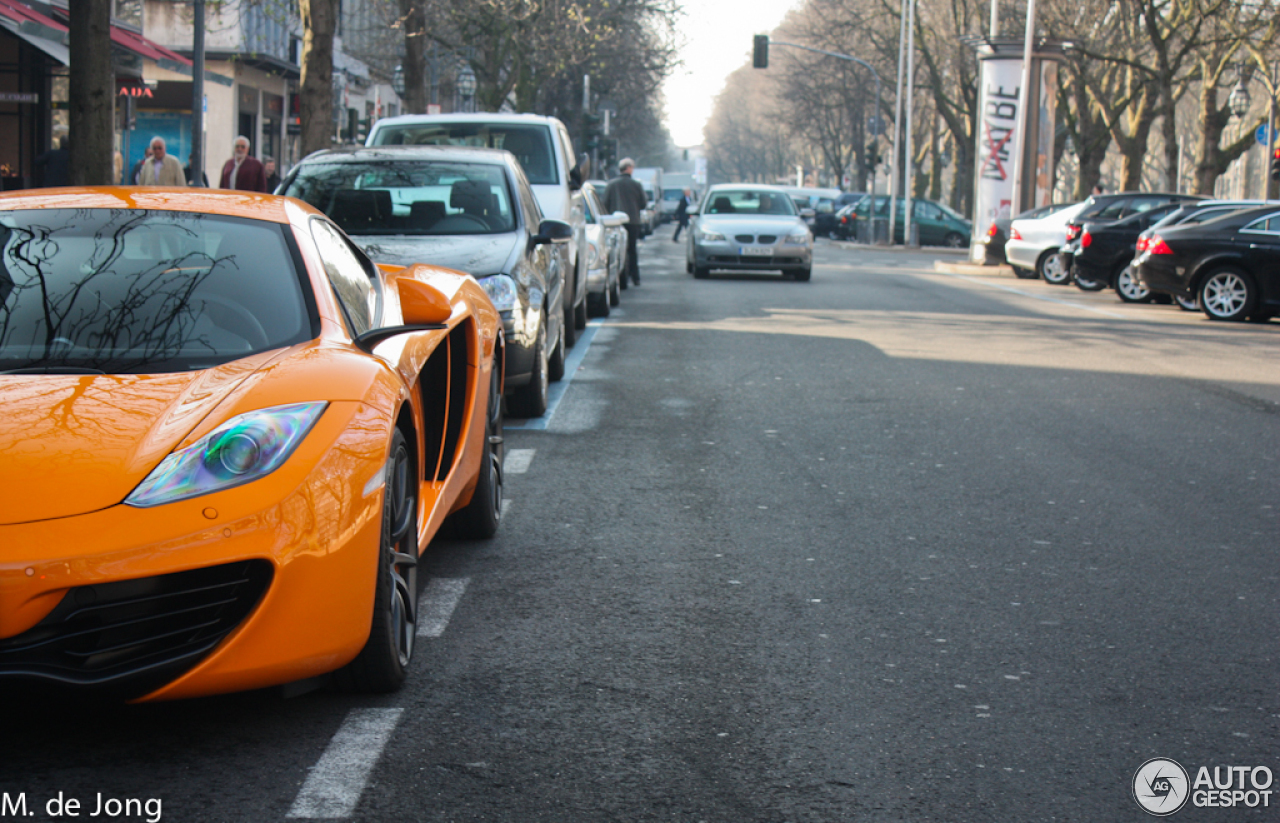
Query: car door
x,y
1260,242
932,223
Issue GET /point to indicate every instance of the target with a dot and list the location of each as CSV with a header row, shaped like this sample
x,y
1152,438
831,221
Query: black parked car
x,y
1102,256
1231,264
469,209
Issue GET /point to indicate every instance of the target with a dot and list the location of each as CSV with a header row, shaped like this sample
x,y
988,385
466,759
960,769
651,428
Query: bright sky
x,y
717,36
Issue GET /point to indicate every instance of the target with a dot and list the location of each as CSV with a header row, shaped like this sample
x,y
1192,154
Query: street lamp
x,y
1238,102
467,86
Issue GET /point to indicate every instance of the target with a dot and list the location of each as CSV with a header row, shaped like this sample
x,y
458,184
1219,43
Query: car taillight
x,y
991,232
1013,234
1085,240
1142,243
1073,231
1156,245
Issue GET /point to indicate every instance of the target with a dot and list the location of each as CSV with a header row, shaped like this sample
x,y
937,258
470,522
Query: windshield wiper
x,y
53,370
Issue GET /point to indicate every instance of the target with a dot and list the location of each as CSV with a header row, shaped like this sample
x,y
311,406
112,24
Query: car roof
x,y
447,154
468,117
747,186
251,205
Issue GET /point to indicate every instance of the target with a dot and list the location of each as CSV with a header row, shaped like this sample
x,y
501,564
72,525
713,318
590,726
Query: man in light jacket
x,y
163,169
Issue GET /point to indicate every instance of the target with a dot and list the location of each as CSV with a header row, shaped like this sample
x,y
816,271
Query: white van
x,y
545,152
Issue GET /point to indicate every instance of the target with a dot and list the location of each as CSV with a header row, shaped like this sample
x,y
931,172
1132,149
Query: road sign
x,y
1261,135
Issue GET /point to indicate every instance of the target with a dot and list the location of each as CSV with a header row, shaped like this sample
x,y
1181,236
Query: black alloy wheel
x,y
382,663
954,240
1085,284
480,518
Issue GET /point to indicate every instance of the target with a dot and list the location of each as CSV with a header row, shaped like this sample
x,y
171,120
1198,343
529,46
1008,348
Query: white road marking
x,y
336,782
517,460
557,391
437,603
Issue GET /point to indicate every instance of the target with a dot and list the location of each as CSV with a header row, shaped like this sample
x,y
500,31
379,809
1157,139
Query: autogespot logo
x,y
1161,786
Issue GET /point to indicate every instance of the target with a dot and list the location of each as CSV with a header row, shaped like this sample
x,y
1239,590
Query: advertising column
x,y
1000,78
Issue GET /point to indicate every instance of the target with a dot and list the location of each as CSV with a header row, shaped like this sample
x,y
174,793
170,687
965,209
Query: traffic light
x,y
760,52
872,156
1275,165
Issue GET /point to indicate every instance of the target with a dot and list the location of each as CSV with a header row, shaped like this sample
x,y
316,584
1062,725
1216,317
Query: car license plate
x,y
756,251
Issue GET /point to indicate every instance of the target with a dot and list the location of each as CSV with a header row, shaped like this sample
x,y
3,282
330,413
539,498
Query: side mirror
x,y
579,173
552,231
422,302
618,218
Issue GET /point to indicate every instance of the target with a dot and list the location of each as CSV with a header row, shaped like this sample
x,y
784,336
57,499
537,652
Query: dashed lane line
x,y
437,603
556,393
336,782
517,461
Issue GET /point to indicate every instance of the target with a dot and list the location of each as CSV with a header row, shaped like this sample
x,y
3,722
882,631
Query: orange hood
x,y
76,444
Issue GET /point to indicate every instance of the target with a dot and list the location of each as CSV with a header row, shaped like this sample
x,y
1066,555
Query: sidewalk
x,y
954,261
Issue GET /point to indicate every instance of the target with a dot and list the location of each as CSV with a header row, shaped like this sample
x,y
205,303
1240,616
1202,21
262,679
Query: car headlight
x,y
710,236
501,290
593,256
241,450
798,238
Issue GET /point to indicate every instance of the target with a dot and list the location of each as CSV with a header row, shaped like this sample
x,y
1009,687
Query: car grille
x,y
132,636
768,238
745,238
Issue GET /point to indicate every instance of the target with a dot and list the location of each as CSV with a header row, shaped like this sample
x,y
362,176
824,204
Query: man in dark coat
x,y
682,214
242,171
55,164
626,194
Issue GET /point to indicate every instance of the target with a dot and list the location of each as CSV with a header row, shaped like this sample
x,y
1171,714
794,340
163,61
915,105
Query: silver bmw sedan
x,y
741,227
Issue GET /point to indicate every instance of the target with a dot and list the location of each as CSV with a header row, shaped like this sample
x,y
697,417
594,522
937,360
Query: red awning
x,y
31,22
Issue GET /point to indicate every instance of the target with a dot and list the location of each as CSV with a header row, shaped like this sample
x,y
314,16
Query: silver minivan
x,y
543,147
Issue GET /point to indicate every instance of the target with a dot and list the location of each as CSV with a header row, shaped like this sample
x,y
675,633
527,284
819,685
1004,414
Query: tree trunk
x,y
414,66
1211,158
91,102
319,20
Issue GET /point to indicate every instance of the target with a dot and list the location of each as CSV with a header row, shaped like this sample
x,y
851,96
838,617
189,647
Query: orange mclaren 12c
x,y
226,438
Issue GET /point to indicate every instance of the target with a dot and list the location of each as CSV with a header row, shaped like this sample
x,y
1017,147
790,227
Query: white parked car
x,y
1035,244
606,253
545,152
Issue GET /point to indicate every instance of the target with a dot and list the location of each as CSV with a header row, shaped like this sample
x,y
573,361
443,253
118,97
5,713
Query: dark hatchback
x,y
469,209
1231,264
1103,253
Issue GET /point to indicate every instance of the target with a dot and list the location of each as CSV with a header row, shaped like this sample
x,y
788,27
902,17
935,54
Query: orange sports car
x,y
226,438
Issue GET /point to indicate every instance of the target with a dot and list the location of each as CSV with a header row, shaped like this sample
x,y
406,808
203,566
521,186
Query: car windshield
x,y
530,143
381,197
147,292
749,201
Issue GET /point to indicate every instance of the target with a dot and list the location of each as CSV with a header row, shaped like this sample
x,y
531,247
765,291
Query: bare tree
x,y
319,22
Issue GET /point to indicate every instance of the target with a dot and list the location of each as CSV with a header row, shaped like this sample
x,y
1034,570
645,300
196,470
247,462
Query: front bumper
x,y
597,280
727,256
258,585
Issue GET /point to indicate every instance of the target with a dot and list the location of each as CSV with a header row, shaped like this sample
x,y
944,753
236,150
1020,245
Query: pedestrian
x,y
682,214
273,177
163,169
190,173
626,194
136,172
243,171
56,165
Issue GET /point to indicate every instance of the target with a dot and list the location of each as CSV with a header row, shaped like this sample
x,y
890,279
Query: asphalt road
x,y
895,544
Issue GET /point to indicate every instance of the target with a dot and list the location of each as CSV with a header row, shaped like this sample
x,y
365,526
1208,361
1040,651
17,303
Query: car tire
x,y
555,361
954,240
1024,274
1052,268
580,315
1187,303
688,267
530,400
381,665
1129,288
1085,284
569,331
615,296
1227,294
598,304
701,272
480,518
802,275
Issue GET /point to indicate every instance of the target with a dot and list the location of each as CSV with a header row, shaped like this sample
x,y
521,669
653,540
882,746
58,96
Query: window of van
x,y
530,143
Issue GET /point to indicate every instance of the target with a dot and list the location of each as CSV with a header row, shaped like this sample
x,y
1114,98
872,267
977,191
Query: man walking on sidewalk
x,y
625,194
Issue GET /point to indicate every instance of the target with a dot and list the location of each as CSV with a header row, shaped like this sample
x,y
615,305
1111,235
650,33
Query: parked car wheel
x,y
555,361
479,519
1227,294
1187,303
530,400
1129,289
701,273
802,275
580,316
615,295
381,665
1052,268
1024,274
1085,284
598,304
954,240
